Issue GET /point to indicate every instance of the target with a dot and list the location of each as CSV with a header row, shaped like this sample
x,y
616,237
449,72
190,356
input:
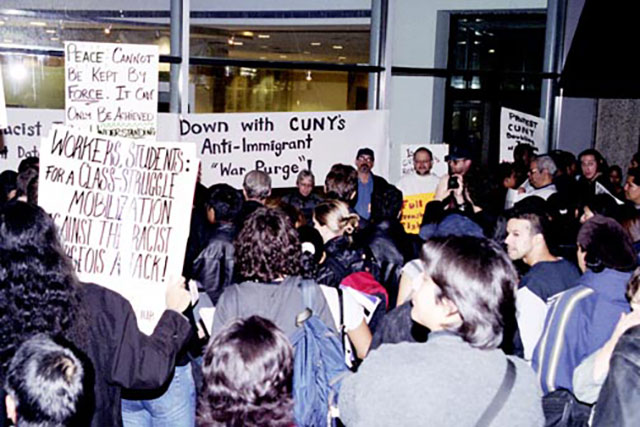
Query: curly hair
x,y
38,288
248,373
267,247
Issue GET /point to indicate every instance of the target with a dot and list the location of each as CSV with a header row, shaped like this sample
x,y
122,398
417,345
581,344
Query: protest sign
x,y
112,88
439,151
413,210
3,105
517,128
123,210
283,144
413,204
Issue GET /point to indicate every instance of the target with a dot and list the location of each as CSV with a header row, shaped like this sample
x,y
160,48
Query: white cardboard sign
x,y
439,152
123,209
112,88
516,128
283,144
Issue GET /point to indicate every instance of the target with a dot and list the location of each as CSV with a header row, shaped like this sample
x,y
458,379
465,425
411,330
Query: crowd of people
x,y
515,304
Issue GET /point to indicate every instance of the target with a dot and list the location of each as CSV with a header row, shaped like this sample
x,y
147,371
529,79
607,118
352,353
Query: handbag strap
x,y
501,396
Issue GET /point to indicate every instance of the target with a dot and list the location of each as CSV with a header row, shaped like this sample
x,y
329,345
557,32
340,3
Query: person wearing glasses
x,y
540,181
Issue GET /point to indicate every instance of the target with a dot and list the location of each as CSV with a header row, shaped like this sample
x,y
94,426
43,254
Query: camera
x,y
453,183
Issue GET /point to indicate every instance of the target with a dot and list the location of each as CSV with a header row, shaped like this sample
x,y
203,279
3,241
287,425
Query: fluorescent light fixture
x,y
337,47
341,58
50,31
17,71
315,43
492,51
247,33
283,56
264,36
38,23
235,43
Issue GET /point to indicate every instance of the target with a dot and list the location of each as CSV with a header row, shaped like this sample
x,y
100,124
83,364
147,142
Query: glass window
x,y
502,55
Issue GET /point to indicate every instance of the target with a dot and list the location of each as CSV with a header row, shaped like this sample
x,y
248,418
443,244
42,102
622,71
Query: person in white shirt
x,y
540,182
423,181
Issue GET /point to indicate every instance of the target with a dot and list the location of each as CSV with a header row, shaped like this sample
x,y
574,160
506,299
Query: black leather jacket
x,y
344,258
213,267
618,401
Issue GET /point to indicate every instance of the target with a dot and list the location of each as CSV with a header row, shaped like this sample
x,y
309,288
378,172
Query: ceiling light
x,y
476,42
55,39
38,23
264,36
107,30
17,71
283,56
337,47
247,33
341,58
50,31
492,51
237,43
308,78
263,58
315,43
462,42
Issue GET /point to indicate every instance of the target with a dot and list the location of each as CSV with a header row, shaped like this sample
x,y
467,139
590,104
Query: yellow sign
x,y
412,211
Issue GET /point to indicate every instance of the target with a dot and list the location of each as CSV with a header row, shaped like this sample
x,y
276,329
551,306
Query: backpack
x,y
318,366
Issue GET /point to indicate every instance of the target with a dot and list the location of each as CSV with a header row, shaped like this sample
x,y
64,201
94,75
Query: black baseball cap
x,y
366,152
458,152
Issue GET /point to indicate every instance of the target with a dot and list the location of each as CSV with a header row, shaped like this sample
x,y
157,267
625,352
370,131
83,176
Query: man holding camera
x,y
451,185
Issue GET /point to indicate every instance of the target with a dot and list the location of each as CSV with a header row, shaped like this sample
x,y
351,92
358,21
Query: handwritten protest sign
x,y
123,210
112,88
516,128
413,205
439,152
412,211
283,144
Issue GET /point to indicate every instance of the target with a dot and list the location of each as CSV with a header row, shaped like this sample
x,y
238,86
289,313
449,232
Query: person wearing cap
x,y
581,319
371,188
423,181
459,160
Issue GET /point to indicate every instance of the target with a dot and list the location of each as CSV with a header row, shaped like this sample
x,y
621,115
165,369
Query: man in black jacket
x,y
371,188
213,267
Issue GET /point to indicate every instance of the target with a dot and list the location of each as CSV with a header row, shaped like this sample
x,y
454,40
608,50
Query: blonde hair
x,y
335,215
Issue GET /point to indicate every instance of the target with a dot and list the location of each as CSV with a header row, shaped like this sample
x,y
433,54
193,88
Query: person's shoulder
x,y
93,292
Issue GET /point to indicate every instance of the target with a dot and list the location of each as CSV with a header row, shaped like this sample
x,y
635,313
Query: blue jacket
x,y
579,321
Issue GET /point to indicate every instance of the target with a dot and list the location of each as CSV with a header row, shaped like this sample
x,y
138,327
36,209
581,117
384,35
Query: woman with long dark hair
x,y
39,293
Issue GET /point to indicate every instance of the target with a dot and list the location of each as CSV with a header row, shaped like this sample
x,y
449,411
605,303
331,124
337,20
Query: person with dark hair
x,y
267,256
27,185
467,287
303,198
523,154
45,385
589,376
632,187
593,178
213,268
8,186
527,231
30,162
634,163
248,375
39,293
599,204
341,183
615,181
582,318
